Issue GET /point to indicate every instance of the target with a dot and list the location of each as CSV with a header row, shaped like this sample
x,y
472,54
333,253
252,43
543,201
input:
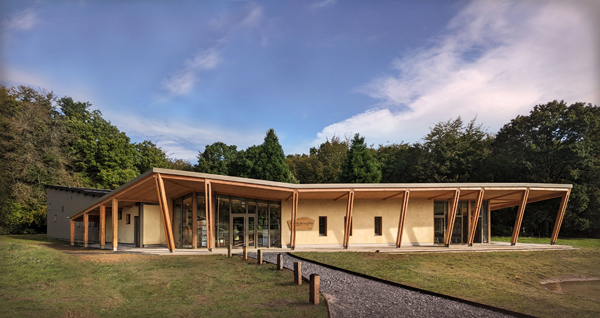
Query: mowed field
x,y
41,278
509,280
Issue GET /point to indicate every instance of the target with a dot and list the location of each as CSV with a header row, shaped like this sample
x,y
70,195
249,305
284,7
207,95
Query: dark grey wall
x,y
63,203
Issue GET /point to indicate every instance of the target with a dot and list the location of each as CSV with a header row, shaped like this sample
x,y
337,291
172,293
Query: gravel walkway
x,y
354,296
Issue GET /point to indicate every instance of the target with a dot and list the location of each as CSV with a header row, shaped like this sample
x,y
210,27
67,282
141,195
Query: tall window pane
x,y
177,223
222,227
263,224
275,224
238,205
201,220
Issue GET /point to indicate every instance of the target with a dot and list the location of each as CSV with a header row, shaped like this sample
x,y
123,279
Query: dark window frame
x,y
378,223
324,219
127,218
120,214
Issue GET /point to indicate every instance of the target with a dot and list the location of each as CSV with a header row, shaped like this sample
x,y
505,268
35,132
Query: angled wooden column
x,y
451,218
102,228
72,232
294,217
559,217
473,221
517,228
194,221
86,229
209,214
164,208
115,224
348,225
296,200
402,217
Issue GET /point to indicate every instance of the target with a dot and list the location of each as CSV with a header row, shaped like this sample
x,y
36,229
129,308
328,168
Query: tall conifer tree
x,y
360,166
270,161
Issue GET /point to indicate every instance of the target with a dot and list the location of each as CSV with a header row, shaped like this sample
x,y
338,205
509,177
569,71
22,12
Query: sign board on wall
x,y
302,224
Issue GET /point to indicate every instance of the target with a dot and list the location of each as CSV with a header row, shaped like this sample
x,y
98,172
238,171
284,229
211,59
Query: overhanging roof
x,y
179,183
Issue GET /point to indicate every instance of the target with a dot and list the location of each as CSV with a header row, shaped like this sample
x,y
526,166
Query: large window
x,y
222,226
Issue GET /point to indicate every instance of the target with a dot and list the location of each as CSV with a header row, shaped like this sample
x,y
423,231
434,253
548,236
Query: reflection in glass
x,y
238,231
238,206
187,222
201,221
263,224
251,231
275,225
222,227
177,223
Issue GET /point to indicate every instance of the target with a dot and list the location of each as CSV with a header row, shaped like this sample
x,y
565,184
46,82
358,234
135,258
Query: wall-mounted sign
x,y
302,224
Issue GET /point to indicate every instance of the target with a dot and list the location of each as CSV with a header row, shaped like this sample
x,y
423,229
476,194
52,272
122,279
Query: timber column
x,y
115,224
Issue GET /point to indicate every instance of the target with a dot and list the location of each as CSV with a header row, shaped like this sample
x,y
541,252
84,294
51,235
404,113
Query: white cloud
x,y
322,4
496,61
21,20
184,79
182,140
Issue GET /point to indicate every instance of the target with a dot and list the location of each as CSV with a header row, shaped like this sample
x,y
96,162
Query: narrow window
x,y
127,218
350,225
322,226
63,208
54,217
377,225
120,214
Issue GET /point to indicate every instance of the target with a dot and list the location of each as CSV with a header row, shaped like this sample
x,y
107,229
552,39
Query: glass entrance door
x,y
243,230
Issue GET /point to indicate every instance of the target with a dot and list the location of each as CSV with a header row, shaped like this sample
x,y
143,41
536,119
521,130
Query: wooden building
x,y
181,209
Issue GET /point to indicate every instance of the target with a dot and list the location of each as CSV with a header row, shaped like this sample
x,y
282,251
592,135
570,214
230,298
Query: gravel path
x,y
354,296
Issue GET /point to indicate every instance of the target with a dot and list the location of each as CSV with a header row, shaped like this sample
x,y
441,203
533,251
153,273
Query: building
x,y
181,209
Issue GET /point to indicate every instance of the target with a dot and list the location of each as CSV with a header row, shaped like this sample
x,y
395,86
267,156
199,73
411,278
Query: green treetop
x,y
360,166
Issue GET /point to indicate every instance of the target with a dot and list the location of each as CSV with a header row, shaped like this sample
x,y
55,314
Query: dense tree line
x,y
47,140
50,140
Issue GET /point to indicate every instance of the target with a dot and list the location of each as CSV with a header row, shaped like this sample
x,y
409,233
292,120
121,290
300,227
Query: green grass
x,y
38,279
508,280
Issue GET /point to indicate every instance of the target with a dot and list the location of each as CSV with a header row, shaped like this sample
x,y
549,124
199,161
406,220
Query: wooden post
x,y
348,224
86,229
259,257
280,261
164,208
72,232
229,250
209,215
559,216
194,221
102,228
315,285
519,219
473,222
294,217
298,273
402,218
489,222
245,253
452,217
115,224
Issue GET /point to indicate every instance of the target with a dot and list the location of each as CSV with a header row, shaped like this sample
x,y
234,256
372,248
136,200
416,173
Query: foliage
x,y
269,163
216,158
148,155
555,143
360,166
322,165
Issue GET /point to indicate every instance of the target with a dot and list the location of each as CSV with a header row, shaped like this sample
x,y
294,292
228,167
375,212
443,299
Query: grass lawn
x,y
508,280
42,278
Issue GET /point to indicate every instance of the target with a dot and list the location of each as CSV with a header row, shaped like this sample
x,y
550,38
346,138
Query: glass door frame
x,y
246,229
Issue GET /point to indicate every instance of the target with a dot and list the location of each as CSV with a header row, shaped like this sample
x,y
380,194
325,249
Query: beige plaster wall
x,y
418,226
153,228
126,231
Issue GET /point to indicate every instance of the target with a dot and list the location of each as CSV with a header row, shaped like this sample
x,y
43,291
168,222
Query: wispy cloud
x,y
184,79
21,20
496,60
322,4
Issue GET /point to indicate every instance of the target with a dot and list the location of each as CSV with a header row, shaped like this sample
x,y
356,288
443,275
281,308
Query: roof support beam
x,y
402,218
442,195
475,217
115,224
86,229
208,206
294,217
396,195
341,196
504,195
102,229
452,217
517,227
559,217
348,218
164,208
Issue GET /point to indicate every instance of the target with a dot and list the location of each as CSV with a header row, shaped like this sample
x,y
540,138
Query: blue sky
x,y
185,74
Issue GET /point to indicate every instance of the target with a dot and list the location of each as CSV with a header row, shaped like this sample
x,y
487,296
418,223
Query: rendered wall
x,y
152,226
126,231
418,224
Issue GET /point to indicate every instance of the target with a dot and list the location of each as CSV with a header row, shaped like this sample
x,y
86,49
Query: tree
x,y
322,165
104,156
455,152
555,143
216,158
270,161
148,156
360,166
